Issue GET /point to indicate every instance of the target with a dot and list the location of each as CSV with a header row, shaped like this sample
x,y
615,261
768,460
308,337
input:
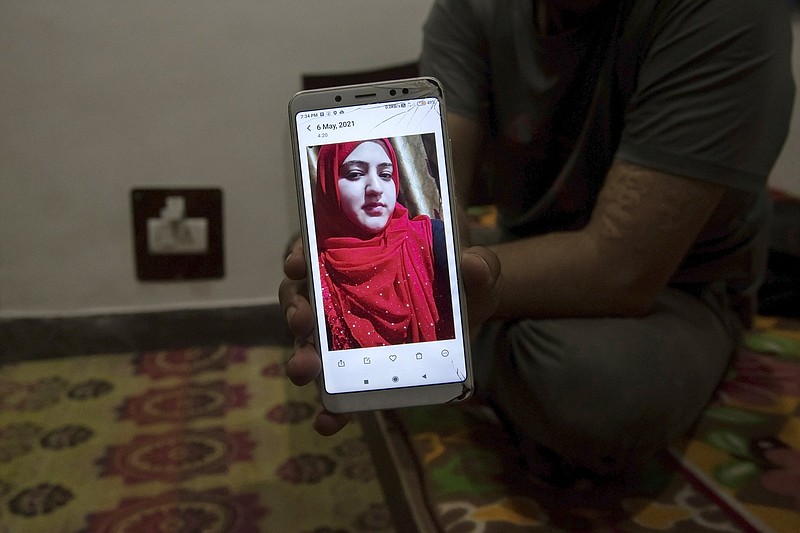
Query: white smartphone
x,y
378,219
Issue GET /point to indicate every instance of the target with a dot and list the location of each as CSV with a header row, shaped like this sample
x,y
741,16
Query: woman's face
x,y
366,189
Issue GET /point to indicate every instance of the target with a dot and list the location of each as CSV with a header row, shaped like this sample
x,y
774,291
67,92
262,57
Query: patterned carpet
x,y
739,470
217,440
201,440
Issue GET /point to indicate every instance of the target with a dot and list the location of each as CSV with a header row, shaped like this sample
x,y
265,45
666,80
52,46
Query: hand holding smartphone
x,y
380,239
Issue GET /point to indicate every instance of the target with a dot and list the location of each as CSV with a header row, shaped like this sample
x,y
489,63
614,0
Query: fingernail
x,y
290,312
488,271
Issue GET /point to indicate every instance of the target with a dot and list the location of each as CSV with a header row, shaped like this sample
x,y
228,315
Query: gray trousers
x,y
606,394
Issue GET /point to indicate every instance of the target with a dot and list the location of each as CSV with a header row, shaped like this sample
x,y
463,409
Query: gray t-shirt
x,y
696,88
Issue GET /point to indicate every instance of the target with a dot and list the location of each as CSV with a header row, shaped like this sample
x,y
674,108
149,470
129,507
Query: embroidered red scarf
x,y
376,291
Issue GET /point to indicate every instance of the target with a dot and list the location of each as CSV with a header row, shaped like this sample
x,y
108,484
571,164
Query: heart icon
x,y
393,357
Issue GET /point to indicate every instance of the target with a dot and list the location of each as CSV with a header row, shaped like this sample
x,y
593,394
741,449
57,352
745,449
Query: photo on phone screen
x,y
381,243
375,196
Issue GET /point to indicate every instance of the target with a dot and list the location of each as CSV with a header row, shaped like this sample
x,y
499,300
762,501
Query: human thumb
x,y
480,268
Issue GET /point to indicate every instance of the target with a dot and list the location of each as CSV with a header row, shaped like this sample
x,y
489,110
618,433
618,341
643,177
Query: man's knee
x,y
576,387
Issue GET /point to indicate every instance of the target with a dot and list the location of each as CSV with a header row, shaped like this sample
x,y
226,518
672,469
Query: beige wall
x,y
98,97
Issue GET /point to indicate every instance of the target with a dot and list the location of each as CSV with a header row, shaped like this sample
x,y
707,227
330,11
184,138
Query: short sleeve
x,y
455,52
714,93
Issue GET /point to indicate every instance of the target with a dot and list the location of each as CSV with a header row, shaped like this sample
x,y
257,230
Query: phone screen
x,y
382,245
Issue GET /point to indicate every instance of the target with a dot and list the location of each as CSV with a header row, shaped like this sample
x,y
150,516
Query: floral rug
x,y
199,440
739,471
217,440
746,449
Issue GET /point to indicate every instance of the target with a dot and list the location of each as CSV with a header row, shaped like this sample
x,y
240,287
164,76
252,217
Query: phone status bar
x,y
321,114
324,113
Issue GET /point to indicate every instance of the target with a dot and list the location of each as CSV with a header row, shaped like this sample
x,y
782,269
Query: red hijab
x,y
376,291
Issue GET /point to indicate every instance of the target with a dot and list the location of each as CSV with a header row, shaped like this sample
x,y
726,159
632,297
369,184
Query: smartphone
x,y
378,220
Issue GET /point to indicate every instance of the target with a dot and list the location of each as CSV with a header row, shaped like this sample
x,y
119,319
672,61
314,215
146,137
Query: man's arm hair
x,y
641,228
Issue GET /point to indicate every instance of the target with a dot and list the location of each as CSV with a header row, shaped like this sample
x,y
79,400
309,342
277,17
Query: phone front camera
x,y
405,91
392,92
338,98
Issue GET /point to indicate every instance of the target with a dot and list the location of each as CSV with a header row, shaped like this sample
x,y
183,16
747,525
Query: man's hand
x,y
480,269
481,272
304,366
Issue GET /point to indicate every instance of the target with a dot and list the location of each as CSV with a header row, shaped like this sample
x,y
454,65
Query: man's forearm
x,y
643,224
561,275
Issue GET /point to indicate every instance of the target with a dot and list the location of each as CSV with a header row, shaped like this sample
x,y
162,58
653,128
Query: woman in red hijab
x,y
376,264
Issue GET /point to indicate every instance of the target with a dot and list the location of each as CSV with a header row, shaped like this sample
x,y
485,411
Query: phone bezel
x,y
372,93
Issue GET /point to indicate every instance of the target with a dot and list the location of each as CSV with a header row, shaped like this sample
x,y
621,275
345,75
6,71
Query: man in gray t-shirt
x,y
627,146
696,89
